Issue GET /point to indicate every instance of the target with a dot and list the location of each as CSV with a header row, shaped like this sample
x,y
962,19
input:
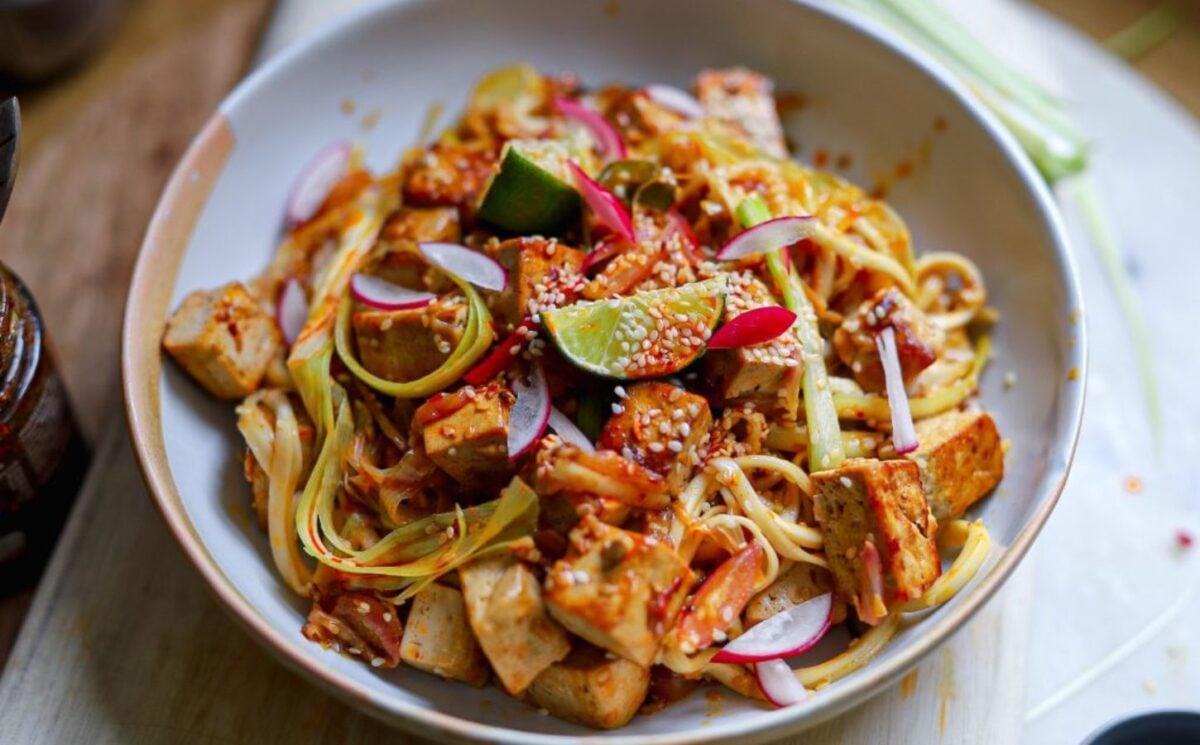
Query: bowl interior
x,y
867,107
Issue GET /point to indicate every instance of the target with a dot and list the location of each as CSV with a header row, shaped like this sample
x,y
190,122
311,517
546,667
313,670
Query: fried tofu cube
x,y
403,345
590,689
866,506
745,100
447,175
618,590
509,618
770,370
223,339
918,340
800,582
542,273
660,426
564,468
424,224
469,440
438,638
961,459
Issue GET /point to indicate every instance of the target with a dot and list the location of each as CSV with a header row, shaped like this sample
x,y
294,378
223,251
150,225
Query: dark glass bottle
x,y
42,455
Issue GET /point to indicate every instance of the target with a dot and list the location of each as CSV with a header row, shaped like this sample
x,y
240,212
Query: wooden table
x,y
123,642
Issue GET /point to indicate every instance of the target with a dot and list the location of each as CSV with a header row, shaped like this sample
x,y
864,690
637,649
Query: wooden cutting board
x,y
123,643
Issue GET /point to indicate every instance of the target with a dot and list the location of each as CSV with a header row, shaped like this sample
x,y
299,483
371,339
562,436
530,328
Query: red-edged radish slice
x,y
679,101
604,204
530,413
466,263
500,357
778,683
904,432
607,138
566,429
754,326
316,180
291,310
871,608
604,250
679,224
785,634
383,295
767,236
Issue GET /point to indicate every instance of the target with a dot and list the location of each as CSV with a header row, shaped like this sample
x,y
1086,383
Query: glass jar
x,y
42,454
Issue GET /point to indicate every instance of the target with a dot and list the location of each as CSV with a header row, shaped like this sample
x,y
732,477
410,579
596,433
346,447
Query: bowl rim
x,y
166,241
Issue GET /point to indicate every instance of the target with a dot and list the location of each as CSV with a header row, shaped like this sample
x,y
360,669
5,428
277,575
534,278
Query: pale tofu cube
x,y
438,639
404,345
506,612
618,590
471,443
745,100
800,582
223,339
592,689
961,459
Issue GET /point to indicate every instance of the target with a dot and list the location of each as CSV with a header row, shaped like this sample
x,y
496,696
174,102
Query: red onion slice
x,y
316,180
383,295
785,634
566,429
606,136
604,204
755,326
291,310
904,432
466,263
767,236
530,413
779,683
679,101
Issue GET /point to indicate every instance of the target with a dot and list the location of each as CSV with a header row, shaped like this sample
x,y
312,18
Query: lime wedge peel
x,y
645,335
531,193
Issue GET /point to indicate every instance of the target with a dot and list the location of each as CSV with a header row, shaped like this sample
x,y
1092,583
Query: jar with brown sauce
x,y
42,454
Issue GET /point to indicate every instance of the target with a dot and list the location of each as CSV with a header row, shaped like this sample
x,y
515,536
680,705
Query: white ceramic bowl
x,y
867,96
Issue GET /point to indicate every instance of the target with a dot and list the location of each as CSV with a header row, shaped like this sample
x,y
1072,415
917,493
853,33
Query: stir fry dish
x,y
601,396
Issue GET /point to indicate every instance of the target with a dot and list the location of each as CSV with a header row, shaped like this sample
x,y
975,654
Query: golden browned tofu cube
x,y
659,426
447,175
424,224
746,100
542,273
770,371
800,582
591,689
961,460
438,639
505,608
866,501
618,590
403,345
918,340
564,468
470,442
223,339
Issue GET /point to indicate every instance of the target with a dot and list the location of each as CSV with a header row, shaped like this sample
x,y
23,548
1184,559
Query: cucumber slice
x,y
607,337
531,193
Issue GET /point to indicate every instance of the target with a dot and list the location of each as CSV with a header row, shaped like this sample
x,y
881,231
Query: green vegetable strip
x,y
1147,32
826,450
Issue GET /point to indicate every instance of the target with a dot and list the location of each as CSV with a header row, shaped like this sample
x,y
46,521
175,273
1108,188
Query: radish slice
x,y
679,224
679,101
606,136
291,310
315,182
466,263
904,432
871,608
566,429
784,634
755,326
778,683
767,236
500,357
530,413
604,250
604,204
383,295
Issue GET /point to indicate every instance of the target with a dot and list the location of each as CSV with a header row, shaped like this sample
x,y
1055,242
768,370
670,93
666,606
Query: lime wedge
x,y
645,335
531,193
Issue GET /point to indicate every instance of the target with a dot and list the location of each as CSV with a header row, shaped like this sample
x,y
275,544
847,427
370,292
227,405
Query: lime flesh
x,y
529,195
645,335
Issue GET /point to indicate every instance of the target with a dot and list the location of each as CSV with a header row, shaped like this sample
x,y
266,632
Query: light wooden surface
x,y
123,643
